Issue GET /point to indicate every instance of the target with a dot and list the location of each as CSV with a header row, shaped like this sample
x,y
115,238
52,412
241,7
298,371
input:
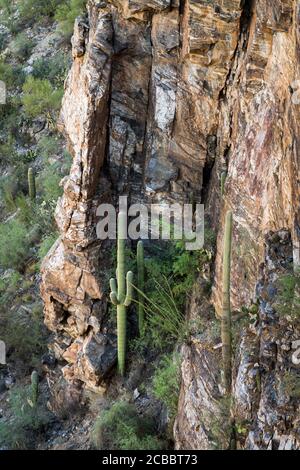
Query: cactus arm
x,y
113,293
114,298
34,388
129,289
31,184
122,229
226,312
121,321
141,285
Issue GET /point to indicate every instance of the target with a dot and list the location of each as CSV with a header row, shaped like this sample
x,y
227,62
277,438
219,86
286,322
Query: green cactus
x,y
223,180
141,285
121,291
34,388
226,311
31,184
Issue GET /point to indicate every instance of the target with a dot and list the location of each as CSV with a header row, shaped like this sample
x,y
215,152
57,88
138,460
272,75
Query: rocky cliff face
x,y
163,97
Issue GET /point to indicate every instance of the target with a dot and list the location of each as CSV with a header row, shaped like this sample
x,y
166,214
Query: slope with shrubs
x,y
34,81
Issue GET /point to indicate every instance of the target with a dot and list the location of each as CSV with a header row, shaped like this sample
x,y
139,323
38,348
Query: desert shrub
x,y
14,244
291,384
8,150
186,267
40,98
9,284
20,432
36,10
288,295
121,428
220,424
49,181
171,272
54,68
6,73
164,320
7,15
25,337
166,383
48,146
12,75
22,46
46,244
10,120
67,13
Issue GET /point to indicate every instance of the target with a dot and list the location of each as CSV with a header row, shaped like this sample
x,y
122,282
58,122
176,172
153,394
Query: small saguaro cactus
x,y
34,388
31,184
226,310
121,291
223,180
141,285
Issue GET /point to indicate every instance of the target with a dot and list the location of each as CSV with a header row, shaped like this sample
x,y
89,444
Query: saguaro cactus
x,y
141,285
121,291
31,184
226,312
34,388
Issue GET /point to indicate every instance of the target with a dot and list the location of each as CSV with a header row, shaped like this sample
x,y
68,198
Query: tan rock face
x,y
162,97
260,120
265,410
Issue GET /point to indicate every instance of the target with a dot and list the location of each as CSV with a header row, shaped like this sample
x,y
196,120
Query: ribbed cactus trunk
x,y
31,184
34,388
121,294
141,285
226,311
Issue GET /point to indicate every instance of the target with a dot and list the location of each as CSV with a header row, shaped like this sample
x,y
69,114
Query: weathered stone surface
x,y
91,360
258,138
71,287
265,411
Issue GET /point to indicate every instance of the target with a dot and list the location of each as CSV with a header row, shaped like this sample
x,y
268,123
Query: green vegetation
x,y
165,321
220,425
23,13
121,294
288,295
36,10
66,14
14,244
34,388
291,383
25,336
141,285
21,46
21,431
171,272
31,184
121,428
45,245
40,98
54,68
166,383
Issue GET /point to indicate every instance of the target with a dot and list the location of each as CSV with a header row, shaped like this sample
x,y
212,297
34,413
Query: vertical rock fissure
x,y
148,108
241,46
105,168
